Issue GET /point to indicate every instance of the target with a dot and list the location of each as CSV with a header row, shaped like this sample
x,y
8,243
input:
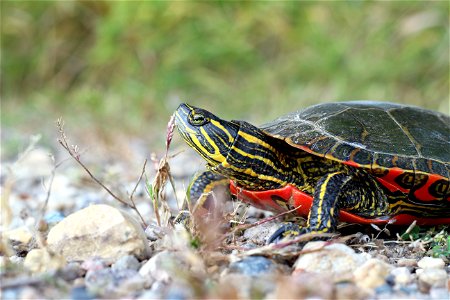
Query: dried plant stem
x,y
156,189
138,181
49,191
73,152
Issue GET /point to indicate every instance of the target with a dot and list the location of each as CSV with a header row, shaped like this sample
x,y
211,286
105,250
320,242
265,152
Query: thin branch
x,y
73,151
134,190
49,190
139,180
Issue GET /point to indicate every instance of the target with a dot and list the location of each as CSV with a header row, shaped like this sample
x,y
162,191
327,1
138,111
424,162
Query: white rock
x,y
431,262
337,260
434,277
163,266
19,235
40,260
372,273
98,231
402,275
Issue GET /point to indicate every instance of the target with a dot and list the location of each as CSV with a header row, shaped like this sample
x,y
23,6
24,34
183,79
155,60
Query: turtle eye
x,y
197,119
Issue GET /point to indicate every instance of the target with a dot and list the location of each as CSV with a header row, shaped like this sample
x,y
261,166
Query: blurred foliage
x,y
129,64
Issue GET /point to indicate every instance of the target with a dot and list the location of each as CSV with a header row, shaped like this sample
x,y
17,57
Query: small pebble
x,y
40,260
253,266
71,271
372,273
19,235
100,282
407,262
402,275
16,259
54,217
126,262
121,275
179,291
337,260
164,266
431,262
150,294
383,289
80,293
11,293
93,264
261,233
240,286
433,277
131,285
154,232
439,293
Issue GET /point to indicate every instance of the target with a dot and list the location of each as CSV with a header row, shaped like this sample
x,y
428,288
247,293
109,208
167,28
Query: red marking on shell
x,y
352,163
423,192
388,180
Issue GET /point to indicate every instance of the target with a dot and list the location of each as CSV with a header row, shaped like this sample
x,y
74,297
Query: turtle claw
x,y
286,230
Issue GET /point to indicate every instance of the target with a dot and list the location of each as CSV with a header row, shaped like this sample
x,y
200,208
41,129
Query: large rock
x,y
98,231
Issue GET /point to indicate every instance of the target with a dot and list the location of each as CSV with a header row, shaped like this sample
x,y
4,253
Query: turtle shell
x,y
407,148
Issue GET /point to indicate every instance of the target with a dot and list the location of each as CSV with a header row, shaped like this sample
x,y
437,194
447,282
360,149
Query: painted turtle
x,y
358,161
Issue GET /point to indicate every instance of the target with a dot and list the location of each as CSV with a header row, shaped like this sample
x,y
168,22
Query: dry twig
x,y
74,153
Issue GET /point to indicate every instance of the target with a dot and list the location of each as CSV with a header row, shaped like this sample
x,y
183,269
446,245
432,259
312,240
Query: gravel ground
x,y
84,244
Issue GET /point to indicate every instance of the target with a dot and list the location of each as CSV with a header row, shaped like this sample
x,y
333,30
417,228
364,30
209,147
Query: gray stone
x,y
71,271
130,286
261,233
240,286
253,266
80,293
93,264
100,282
163,266
154,232
126,262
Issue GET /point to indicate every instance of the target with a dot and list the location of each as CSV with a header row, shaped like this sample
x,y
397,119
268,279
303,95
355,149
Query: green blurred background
x,y
121,68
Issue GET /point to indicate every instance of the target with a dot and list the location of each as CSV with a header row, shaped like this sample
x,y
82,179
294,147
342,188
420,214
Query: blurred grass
x,y
127,65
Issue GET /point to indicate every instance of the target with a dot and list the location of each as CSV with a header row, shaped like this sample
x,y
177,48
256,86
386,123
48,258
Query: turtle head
x,y
206,133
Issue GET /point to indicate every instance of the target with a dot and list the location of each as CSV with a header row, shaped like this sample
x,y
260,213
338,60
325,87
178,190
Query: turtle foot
x,y
286,230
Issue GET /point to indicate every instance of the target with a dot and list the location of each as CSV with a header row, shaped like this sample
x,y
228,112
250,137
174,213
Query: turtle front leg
x,y
205,185
336,191
329,195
